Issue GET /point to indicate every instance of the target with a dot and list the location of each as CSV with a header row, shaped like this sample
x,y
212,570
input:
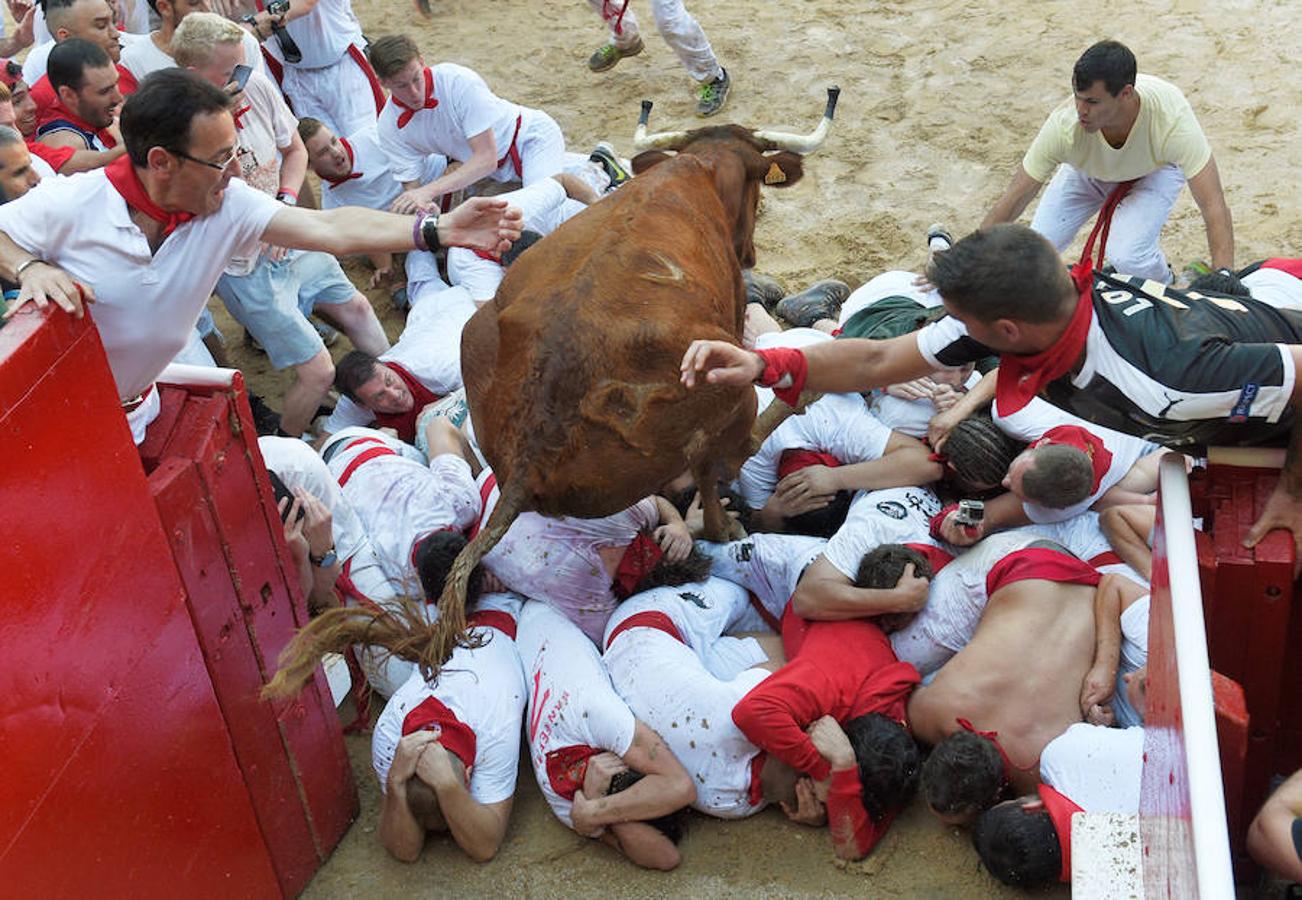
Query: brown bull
x,y
571,371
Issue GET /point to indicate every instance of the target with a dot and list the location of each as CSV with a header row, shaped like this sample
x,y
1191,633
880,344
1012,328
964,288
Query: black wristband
x,y
429,231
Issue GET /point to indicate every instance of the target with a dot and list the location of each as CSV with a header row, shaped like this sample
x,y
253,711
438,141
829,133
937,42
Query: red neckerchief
x,y
780,363
1021,377
1292,266
56,157
640,557
455,736
57,111
1040,563
123,176
405,423
993,737
352,161
500,619
1060,809
430,102
648,618
1083,440
567,767
239,114
795,460
484,254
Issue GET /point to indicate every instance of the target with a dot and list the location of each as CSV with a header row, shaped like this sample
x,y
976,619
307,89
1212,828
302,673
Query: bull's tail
x,y
401,629
768,421
450,628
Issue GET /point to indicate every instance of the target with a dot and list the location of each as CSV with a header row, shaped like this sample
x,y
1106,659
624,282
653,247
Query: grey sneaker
x,y
821,300
712,95
604,156
762,289
607,55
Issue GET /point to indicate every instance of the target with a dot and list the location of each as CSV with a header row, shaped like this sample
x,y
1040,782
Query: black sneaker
x,y
762,289
712,95
604,156
819,301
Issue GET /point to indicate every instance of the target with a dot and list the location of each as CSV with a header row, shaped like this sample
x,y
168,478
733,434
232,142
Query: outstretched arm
x,y
1271,840
665,787
1284,507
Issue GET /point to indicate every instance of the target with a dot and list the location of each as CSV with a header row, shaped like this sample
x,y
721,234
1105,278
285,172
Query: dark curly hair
x,y
963,775
888,760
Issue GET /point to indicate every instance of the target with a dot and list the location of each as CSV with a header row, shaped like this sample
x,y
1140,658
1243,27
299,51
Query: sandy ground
x,y
939,101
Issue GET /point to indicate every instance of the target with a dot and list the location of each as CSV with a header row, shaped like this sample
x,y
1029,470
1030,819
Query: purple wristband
x,y
417,237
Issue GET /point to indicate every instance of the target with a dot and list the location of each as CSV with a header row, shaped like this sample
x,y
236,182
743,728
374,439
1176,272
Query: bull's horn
x,y
803,143
661,140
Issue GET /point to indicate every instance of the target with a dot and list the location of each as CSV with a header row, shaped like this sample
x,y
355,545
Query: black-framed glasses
x,y
219,166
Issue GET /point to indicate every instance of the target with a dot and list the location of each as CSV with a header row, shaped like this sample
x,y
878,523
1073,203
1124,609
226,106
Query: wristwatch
x,y
427,227
325,560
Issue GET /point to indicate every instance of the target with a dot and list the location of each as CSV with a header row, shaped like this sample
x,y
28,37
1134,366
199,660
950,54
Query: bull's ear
x,y
648,158
781,169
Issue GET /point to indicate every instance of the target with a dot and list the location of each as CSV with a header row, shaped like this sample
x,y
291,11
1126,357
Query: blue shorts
x,y
275,299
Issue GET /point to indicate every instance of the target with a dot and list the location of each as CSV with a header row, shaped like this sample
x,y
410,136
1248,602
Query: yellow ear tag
x,y
775,175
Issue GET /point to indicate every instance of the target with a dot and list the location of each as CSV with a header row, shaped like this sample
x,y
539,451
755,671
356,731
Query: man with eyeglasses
x,y
147,239
272,291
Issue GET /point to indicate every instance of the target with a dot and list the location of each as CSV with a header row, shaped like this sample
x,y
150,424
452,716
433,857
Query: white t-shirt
x,y
142,57
1096,767
429,349
839,424
1278,288
669,688
545,206
399,500
266,129
768,565
571,700
555,560
485,689
375,188
298,465
900,515
145,306
323,35
466,108
1039,416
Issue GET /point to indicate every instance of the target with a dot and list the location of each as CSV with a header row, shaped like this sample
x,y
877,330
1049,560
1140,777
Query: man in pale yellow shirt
x,y
1120,126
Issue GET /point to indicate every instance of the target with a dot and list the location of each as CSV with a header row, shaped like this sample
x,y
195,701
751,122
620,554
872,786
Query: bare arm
x,y
1113,595
1270,837
1127,529
665,788
905,462
1004,511
825,594
1210,197
89,160
1013,203
481,222
1284,506
293,164
644,845
399,831
477,828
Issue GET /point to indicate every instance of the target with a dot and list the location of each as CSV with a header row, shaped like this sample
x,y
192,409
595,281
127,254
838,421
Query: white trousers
x,y
1072,198
340,95
677,26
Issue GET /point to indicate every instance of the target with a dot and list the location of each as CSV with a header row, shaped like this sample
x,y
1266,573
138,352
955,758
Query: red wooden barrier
x,y
140,617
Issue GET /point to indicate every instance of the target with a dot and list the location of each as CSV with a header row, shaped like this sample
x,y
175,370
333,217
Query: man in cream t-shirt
x,y
1119,127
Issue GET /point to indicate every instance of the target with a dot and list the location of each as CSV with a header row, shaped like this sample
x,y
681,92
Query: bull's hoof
x,y
762,289
820,301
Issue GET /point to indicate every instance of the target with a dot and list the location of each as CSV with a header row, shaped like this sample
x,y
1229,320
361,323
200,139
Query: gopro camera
x,y
288,47
970,512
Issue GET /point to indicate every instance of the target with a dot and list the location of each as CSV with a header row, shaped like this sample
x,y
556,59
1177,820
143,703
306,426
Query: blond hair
x,y
198,34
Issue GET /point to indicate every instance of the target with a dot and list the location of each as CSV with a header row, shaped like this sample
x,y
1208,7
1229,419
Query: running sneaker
x,y
712,95
604,156
607,55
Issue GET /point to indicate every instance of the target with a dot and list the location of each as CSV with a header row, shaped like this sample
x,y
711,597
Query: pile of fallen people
x,y
942,583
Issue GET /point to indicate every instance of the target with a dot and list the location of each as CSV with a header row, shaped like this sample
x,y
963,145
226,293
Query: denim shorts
x,y
275,299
